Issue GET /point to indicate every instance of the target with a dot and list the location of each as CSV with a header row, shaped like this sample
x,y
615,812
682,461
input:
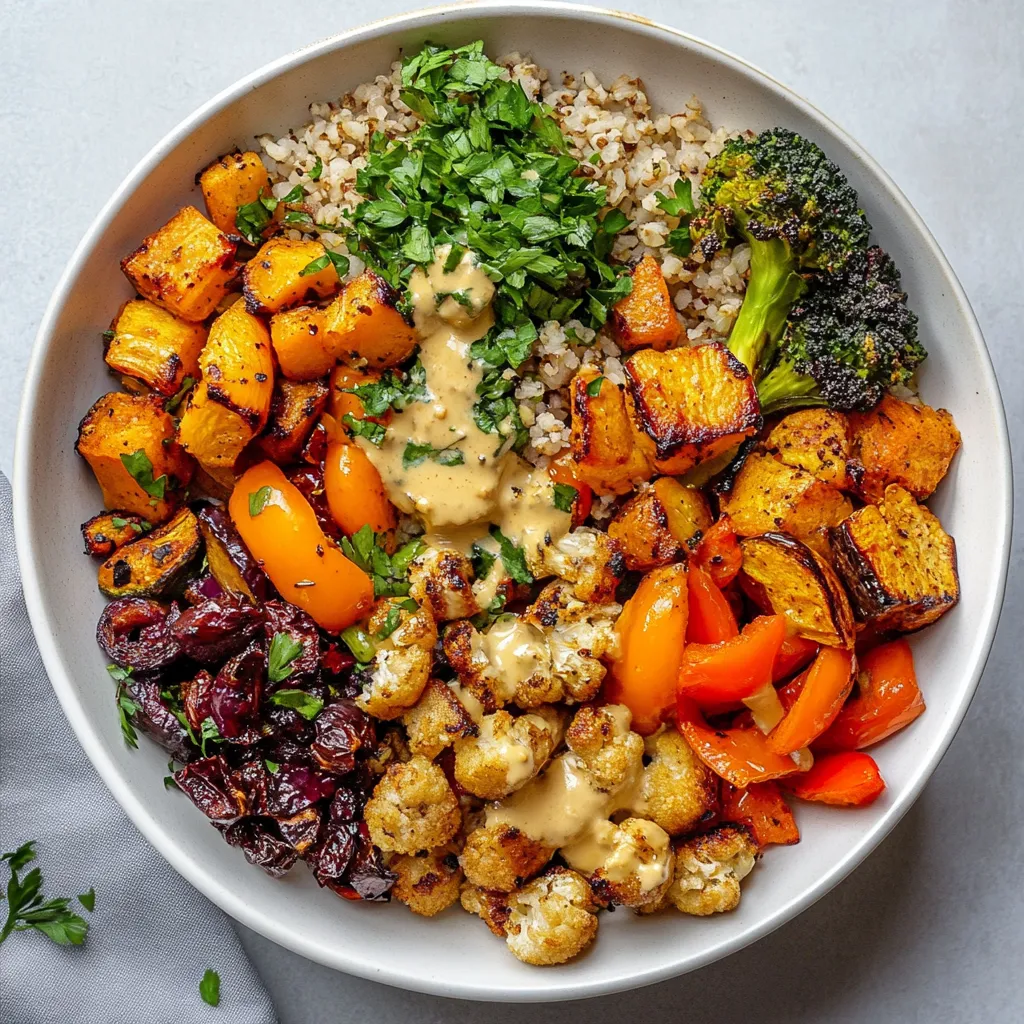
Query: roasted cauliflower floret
x,y
601,738
437,720
592,561
634,862
501,857
491,907
677,789
427,882
412,808
396,677
552,919
709,869
442,581
507,752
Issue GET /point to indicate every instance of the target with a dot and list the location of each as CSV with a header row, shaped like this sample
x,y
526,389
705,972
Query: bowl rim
x,y
251,916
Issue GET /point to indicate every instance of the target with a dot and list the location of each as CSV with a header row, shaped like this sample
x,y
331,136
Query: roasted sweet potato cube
x,y
153,564
642,530
901,443
816,440
105,533
298,339
686,508
231,181
645,317
898,564
364,326
273,279
231,404
186,266
690,405
157,472
603,443
154,347
769,496
294,411
801,585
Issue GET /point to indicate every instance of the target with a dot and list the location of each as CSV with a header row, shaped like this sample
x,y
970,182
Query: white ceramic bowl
x,y
54,492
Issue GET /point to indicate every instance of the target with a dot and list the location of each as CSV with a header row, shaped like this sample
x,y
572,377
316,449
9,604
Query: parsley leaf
x,y
594,387
372,431
306,704
258,500
317,170
389,572
681,203
126,707
679,240
172,403
393,390
512,557
27,908
141,470
253,218
209,988
209,733
565,497
284,649
272,766
416,452
339,260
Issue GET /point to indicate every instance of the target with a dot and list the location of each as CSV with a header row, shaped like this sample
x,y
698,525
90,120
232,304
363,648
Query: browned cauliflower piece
x,y
396,677
552,919
427,882
709,869
491,907
437,720
501,857
507,752
442,580
590,560
601,738
677,790
412,808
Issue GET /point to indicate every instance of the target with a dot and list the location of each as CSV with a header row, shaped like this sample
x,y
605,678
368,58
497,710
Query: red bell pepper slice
x,y
848,778
763,808
711,617
718,552
794,654
820,693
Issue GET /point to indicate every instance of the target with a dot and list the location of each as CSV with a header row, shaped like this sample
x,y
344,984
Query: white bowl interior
x,y
454,954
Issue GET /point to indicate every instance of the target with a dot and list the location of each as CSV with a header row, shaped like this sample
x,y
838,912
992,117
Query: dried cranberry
x,y
282,724
342,730
235,695
195,698
295,623
294,787
133,632
334,660
154,716
203,588
215,629
301,831
346,805
366,873
333,854
260,846
251,779
208,784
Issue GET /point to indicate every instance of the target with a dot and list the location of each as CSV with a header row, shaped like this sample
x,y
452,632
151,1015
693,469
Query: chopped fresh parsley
x,y
253,218
565,497
415,453
304,703
109,335
209,988
209,733
681,203
284,649
27,908
169,780
483,561
172,403
359,643
393,390
390,573
141,470
272,766
392,621
512,557
258,500
594,387
126,707
317,170
297,217
340,261
372,431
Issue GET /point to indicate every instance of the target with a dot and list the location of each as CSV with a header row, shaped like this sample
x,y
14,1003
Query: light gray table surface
x,y
931,927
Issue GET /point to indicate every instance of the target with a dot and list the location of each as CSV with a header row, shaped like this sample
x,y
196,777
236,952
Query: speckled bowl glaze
x,y
454,955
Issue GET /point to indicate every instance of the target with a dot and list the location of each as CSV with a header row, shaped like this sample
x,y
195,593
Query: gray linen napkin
x,y
152,935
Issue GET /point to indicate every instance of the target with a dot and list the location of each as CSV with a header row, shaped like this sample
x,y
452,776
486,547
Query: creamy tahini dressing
x,y
605,847
515,650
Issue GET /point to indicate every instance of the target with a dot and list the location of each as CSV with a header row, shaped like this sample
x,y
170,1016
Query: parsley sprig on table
x,y
488,170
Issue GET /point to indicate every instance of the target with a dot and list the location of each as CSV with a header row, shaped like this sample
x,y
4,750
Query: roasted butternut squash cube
x,y
273,278
901,443
642,530
364,326
231,181
298,339
816,440
154,347
231,404
342,402
153,564
294,411
898,564
105,533
186,266
150,479
645,317
686,509
769,496
690,405
603,442
801,585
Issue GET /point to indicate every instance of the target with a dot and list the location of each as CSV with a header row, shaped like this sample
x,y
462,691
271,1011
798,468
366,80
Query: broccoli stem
x,y
785,387
773,287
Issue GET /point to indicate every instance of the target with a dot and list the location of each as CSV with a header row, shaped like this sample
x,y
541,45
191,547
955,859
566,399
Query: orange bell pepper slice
x,y
355,492
716,674
763,809
652,630
888,699
280,528
820,692
848,778
740,756
795,653
563,470
718,552
711,616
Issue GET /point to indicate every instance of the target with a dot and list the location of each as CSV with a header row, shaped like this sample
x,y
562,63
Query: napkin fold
x,y
151,936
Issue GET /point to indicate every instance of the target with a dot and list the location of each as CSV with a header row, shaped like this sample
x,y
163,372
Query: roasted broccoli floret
x,y
848,340
779,192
